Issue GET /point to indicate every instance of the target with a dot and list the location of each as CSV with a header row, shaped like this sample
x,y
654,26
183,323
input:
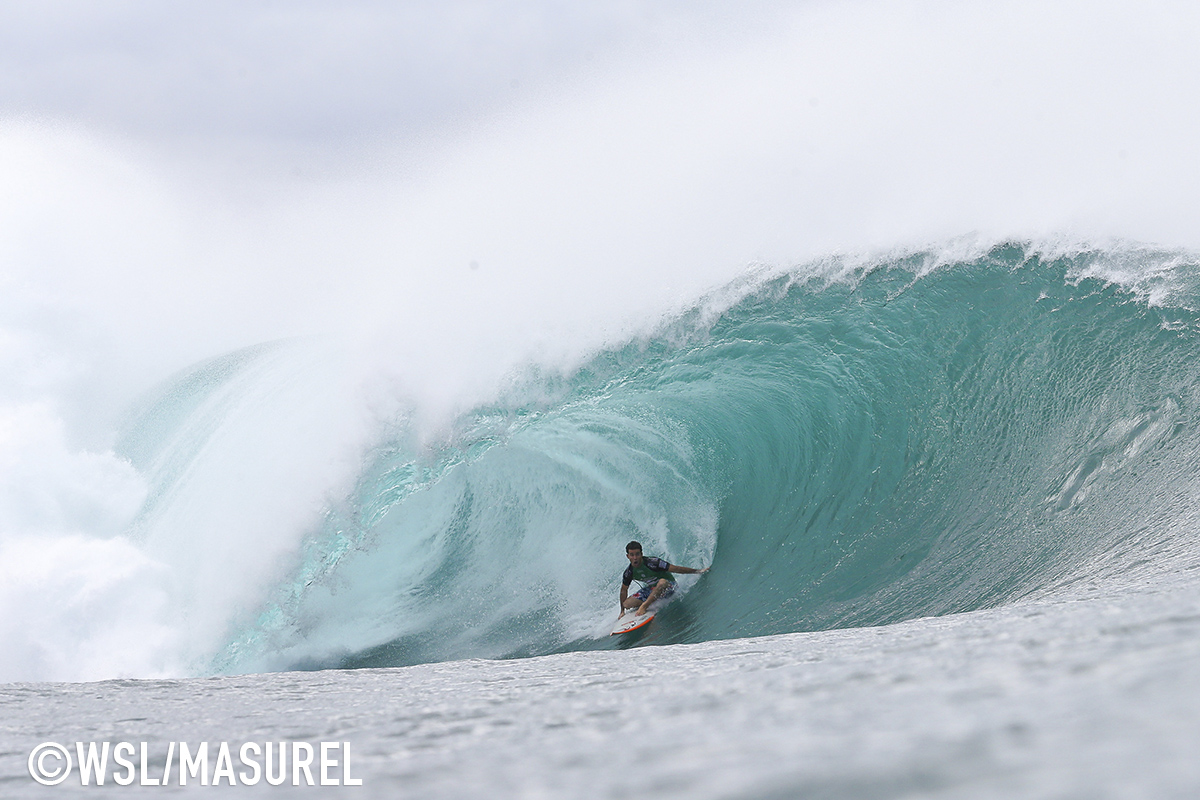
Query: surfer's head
x,y
633,551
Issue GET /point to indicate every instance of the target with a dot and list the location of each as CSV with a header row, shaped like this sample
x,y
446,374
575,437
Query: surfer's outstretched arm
x,y
686,570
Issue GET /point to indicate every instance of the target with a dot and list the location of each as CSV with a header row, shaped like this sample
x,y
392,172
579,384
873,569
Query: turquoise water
x,y
846,445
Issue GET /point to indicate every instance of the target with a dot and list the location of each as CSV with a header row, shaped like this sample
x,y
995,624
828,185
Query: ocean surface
x,y
949,503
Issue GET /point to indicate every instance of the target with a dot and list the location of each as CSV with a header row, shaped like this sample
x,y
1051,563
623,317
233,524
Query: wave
x,y
847,444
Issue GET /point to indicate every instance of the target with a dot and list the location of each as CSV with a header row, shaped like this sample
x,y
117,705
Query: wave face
x,y
847,446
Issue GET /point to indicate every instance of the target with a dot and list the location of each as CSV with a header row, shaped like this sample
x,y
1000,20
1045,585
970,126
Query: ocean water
x,y
1087,696
845,445
948,502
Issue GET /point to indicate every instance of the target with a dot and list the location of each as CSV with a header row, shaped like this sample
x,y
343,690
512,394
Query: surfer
x,y
655,576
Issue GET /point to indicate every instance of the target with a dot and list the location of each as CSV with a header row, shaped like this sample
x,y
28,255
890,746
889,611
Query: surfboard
x,y
630,621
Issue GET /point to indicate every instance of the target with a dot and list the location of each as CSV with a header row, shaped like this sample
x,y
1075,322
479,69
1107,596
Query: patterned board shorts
x,y
645,591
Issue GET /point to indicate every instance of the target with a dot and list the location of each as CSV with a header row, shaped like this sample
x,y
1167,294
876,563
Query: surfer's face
x,y
634,556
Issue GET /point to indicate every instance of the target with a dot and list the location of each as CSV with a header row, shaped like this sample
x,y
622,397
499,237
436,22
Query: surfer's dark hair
x,y
634,545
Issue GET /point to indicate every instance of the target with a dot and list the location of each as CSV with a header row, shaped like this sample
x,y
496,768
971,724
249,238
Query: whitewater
x,y
340,439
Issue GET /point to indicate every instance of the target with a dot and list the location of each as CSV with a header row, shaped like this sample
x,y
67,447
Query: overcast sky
x,y
311,71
